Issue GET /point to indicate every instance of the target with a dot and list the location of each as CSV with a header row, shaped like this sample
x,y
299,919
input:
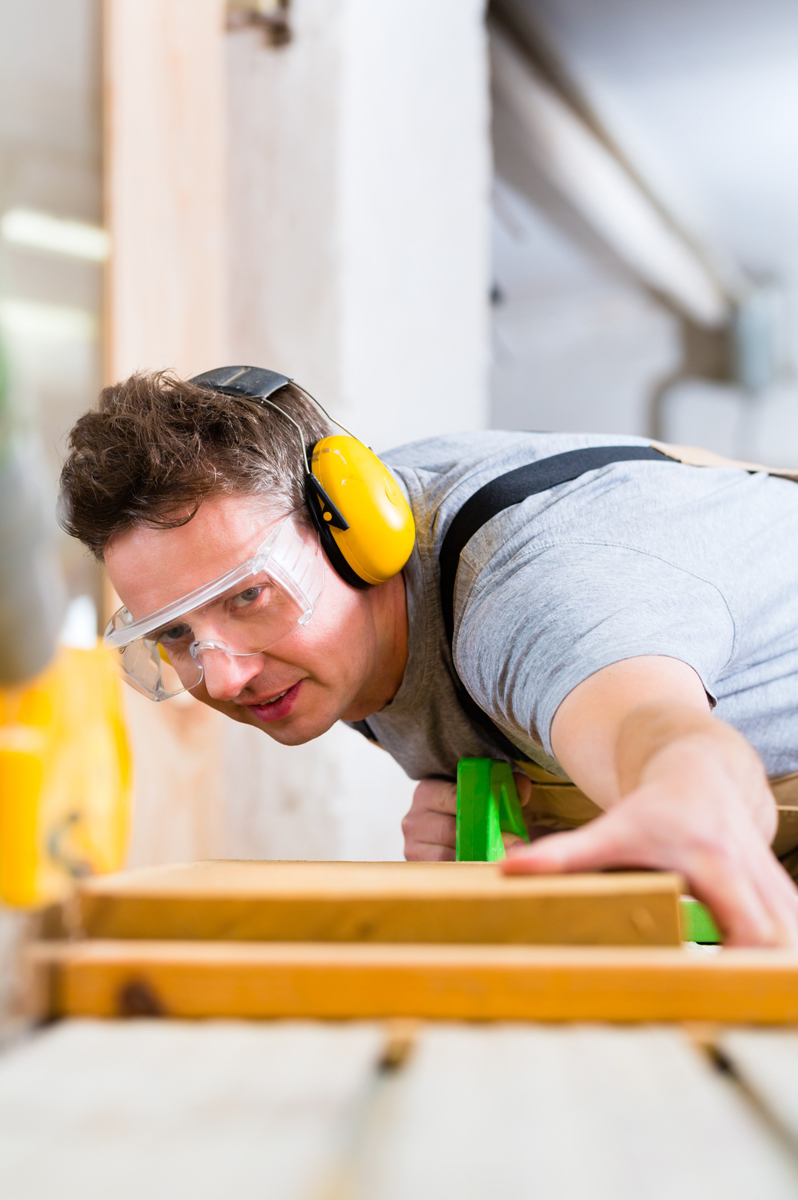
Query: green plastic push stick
x,y
697,923
488,806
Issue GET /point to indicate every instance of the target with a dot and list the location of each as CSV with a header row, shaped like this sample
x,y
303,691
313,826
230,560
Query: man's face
x,y
323,671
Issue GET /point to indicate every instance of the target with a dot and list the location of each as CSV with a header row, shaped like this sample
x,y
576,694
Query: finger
x,y
753,900
431,827
523,785
734,901
590,848
435,795
779,895
428,852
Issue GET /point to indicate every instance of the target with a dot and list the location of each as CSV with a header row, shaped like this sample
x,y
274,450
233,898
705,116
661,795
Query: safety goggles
x,y
241,613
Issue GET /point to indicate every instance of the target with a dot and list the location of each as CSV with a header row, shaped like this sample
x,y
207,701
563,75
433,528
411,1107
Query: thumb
x,y
587,849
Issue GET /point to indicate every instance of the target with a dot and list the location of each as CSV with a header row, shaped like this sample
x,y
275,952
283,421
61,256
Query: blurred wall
x,y
574,347
50,161
703,99
359,191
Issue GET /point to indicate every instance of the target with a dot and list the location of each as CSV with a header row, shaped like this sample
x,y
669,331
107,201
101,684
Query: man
x,y
629,626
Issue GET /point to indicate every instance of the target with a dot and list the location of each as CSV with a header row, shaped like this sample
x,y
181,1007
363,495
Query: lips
x,y
278,707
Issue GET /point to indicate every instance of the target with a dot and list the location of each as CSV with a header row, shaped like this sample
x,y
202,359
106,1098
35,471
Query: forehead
x,y
152,567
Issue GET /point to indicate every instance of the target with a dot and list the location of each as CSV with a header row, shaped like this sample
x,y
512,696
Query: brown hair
x,y
156,446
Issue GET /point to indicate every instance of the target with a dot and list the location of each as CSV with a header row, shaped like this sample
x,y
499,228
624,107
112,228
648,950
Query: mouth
x,y
278,706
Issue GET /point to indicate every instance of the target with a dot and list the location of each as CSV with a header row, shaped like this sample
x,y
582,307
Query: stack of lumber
x,y
367,940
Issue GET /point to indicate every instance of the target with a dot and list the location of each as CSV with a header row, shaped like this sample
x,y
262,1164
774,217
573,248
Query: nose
x,y
226,675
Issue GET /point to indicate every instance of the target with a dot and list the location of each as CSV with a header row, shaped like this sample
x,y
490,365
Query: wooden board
x,y
766,1063
536,983
567,1113
295,1111
380,902
179,1111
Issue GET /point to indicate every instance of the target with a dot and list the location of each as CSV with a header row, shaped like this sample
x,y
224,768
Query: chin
x,y
295,730
293,733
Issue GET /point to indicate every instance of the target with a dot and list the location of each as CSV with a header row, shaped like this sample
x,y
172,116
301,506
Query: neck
x,y
388,603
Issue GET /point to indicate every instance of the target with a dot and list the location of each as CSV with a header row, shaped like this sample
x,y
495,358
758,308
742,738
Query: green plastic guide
x,y
488,806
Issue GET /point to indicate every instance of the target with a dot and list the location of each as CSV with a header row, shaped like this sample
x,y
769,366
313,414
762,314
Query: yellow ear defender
x,y
364,522
376,533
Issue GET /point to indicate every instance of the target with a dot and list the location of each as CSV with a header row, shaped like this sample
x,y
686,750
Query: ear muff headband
x,y
364,522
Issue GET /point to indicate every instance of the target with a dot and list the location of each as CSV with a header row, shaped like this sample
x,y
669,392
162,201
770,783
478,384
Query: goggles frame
x,y
122,631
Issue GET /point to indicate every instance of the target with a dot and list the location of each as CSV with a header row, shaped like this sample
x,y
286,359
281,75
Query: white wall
x,y
574,347
359,191
703,99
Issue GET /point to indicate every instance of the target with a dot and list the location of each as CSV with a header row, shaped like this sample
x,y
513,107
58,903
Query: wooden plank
x,y
328,980
766,1061
165,207
164,109
177,1111
381,902
573,1113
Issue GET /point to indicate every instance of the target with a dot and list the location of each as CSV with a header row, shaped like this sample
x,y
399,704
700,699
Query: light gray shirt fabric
x,y
699,564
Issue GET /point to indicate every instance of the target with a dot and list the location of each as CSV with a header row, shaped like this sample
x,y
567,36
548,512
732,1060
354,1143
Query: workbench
x,y
422,1033
155,1110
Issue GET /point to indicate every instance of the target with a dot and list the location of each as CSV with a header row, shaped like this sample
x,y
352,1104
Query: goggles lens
x,y
242,613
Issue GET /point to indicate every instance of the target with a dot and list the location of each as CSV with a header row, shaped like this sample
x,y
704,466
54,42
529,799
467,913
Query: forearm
x,y
683,792
672,744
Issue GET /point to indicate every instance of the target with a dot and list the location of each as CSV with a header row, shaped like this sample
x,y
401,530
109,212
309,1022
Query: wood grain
x,y
567,1113
324,980
146,1109
766,1061
381,902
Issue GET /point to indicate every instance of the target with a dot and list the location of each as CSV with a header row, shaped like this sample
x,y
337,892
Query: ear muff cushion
x,y
330,547
381,532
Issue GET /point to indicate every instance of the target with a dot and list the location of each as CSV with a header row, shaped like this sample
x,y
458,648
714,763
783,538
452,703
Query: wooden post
x,y
164,102
164,184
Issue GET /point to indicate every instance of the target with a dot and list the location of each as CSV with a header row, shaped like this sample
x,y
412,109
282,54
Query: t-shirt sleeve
x,y
530,632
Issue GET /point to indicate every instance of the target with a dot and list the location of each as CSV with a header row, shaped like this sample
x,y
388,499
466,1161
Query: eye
x,y
249,596
175,633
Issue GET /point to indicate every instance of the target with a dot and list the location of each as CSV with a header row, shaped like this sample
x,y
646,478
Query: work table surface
x,y
148,1109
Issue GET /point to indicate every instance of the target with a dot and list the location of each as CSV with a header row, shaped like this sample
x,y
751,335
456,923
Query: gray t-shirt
x,y
700,564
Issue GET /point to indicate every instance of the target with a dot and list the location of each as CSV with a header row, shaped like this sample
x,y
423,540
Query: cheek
x,y
338,633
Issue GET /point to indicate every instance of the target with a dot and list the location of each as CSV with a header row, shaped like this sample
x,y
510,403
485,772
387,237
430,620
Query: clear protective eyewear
x,y
243,613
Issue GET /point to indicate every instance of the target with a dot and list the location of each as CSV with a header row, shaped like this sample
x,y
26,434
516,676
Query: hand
x,y
430,827
687,814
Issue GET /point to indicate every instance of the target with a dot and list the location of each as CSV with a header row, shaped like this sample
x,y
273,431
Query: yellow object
x,y
381,531
65,778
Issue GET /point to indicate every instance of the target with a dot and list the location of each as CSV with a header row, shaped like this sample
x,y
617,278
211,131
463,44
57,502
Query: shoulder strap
x,y
497,495
364,728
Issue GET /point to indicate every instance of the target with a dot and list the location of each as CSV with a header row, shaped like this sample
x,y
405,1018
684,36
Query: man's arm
x,y
682,791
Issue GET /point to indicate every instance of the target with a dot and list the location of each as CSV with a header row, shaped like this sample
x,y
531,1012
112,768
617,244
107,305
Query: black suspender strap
x,y
497,495
364,728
